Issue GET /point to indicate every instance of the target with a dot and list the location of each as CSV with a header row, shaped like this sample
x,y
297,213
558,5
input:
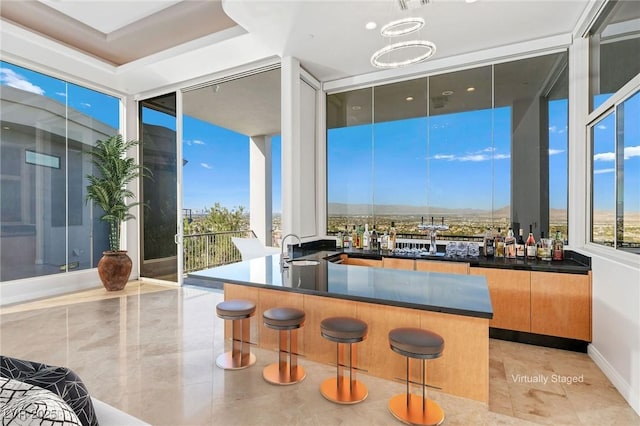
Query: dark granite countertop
x,y
448,293
574,263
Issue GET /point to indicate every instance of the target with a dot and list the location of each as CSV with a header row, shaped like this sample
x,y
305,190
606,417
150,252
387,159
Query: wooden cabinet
x,y
395,263
442,266
510,296
374,263
561,305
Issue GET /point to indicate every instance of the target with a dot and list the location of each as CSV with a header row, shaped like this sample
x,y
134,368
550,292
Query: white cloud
x,y
473,157
443,157
501,156
11,79
553,129
206,166
601,127
631,151
602,171
85,104
604,156
555,151
489,149
198,142
64,95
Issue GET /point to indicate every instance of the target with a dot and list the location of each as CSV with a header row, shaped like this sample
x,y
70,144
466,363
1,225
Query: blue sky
x,y
435,161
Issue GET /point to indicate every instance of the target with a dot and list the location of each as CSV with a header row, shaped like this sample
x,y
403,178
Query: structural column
x,y
260,188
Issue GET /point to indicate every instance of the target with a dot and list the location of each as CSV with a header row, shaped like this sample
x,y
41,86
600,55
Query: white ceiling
x,y
328,36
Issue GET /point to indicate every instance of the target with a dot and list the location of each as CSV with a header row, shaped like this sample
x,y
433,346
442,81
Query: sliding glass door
x,y
159,192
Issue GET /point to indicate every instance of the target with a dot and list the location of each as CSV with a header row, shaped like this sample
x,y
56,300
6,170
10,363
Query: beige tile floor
x,y
150,351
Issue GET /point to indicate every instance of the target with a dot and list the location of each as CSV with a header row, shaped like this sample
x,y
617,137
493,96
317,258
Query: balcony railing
x,y
202,251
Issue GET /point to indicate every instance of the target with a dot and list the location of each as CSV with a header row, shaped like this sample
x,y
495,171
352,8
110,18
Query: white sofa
x,y
111,416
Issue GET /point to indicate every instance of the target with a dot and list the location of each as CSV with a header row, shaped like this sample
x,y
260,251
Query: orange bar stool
x,y
345,331
287,321
239,311
418,344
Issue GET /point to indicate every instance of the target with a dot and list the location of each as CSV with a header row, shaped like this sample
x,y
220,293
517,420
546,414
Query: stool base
x,y
343,395
286,375
227,361
412,413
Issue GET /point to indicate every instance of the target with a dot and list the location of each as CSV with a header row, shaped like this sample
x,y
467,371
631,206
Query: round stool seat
x,y
416,343
235,309
283,318
343,329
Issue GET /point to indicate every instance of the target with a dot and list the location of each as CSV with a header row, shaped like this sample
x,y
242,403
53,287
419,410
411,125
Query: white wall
x,y
616,321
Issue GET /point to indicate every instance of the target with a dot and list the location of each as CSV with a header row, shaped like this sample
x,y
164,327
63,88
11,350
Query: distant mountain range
x,y
343,209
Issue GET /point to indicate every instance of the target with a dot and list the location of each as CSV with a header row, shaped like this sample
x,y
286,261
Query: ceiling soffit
x,y
163,29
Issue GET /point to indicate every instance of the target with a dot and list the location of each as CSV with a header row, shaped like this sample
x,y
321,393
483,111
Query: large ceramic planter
x,y
114,269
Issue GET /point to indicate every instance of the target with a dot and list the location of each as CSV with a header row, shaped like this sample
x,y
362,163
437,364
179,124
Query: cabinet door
x,y
363,262
395,263
442,266
561,305
510,296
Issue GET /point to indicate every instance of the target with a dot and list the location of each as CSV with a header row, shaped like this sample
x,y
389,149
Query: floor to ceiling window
x,y
479,148
615,127
47,125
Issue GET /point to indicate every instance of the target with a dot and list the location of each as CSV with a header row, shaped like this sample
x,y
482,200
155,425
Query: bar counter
x,y
448,293
457,307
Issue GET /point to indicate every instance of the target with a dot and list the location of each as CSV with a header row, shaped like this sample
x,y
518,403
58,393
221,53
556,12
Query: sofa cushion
x,y
59,380
26,404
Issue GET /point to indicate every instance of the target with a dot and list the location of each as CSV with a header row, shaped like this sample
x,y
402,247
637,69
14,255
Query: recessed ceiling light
x,y
447,93
470,1
371,25
356,108
409,98
471,89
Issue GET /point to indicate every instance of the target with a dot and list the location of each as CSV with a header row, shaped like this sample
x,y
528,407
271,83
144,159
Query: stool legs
x,y
240,355
413,409
286,371
341,389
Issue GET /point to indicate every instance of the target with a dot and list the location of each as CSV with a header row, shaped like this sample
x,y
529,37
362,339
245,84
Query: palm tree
x,y
108,188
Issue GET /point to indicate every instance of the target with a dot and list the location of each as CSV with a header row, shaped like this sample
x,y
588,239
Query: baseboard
x,y
35,288
539,339
631,396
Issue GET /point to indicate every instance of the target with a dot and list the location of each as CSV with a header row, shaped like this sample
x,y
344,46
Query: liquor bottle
x,y
354,237
558,247
384,241
544,248
520,252
392,237
530,245
373,239
365,237
360,232
340,240
498,243
345,238
488,244
510,245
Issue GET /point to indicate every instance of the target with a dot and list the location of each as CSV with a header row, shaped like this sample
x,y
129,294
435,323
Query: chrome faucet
x,y
284,256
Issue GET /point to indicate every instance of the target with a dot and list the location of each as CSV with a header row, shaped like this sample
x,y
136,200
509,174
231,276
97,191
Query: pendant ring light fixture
x,y
378,62
402,27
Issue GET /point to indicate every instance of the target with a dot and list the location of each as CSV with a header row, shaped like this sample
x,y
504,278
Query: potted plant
x,y
108,190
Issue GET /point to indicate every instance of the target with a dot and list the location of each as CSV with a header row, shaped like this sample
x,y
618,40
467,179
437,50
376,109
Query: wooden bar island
x,y
458,307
